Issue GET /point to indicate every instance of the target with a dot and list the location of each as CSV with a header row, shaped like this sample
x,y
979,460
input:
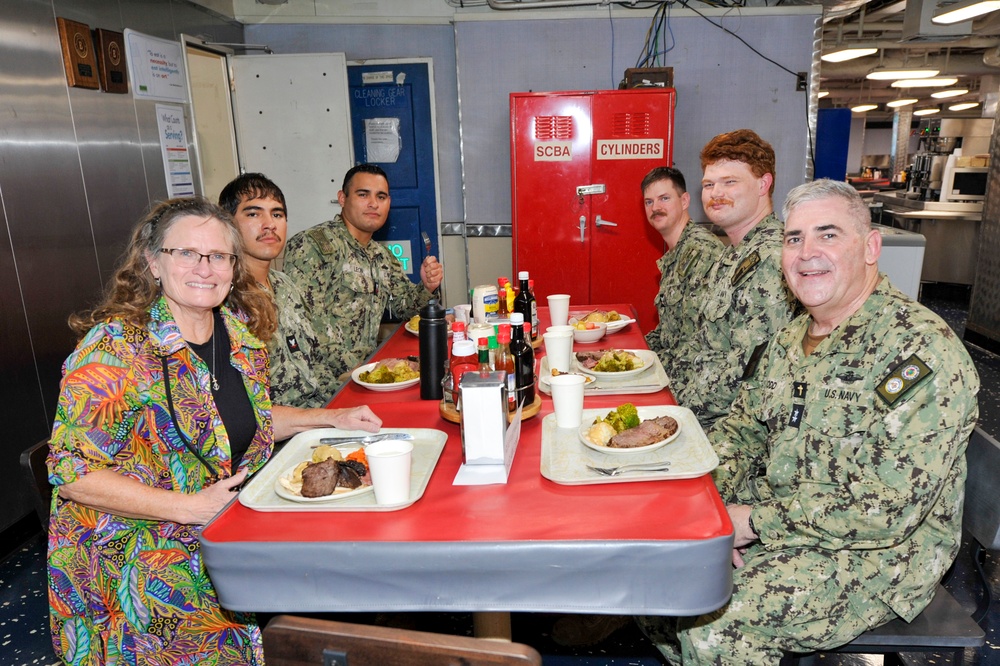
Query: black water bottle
x,y
433,332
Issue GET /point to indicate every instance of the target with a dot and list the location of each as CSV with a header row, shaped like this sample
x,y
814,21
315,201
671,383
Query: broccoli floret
x,y
629,414
623,418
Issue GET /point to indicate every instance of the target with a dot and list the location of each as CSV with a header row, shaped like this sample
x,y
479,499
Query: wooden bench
x,y
301,641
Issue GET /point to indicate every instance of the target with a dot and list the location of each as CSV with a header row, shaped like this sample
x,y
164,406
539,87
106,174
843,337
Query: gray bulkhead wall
x,y
721,85
77,168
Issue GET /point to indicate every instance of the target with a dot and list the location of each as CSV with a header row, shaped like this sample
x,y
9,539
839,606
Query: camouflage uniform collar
x,y
770,223
853,334
340,230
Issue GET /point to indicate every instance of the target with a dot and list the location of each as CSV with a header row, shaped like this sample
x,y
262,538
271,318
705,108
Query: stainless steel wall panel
x,y
983,324
77,168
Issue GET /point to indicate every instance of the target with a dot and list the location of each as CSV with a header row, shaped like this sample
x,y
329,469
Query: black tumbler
x,y
433,350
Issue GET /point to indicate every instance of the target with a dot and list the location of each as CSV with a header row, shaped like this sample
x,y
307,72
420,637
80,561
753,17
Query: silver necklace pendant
x,y
215,383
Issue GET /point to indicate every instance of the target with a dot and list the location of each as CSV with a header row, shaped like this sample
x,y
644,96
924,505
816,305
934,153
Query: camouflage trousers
x,y
797,600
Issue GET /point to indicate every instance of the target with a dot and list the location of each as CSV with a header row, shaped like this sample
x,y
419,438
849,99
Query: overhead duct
x,y
966,65
917,25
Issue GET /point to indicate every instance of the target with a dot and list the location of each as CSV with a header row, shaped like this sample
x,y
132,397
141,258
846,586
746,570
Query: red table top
x,y
527,508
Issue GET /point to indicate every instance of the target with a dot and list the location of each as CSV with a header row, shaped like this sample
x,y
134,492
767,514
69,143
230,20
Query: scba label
x,y
554,151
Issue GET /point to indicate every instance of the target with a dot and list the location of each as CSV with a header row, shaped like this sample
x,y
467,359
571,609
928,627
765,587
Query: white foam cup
x,y
558,349
559,309
567,399
389,464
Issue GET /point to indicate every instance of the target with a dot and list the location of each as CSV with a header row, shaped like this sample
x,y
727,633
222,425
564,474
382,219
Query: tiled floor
x,y
24,635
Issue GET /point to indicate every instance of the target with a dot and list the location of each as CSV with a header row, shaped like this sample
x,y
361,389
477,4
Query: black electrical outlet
x,y
800,81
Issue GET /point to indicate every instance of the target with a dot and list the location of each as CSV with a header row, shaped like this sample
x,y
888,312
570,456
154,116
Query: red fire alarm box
x,y
577,163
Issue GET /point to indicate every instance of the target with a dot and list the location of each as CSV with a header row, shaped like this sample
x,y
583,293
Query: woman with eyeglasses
x,y
163,412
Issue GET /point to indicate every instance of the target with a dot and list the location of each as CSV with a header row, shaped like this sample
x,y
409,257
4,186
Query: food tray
x,y
565,458
259,493
650,381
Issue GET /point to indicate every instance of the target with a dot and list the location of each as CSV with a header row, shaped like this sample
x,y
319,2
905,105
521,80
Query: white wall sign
x,y
174,148
155,67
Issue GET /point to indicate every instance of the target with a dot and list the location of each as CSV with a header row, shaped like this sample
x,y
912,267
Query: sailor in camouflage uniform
x,y
844,454
348,281
302,373
692,251
749,300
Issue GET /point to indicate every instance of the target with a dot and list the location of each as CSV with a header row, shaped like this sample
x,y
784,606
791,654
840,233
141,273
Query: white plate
x,y
414,331
287,494
585,428
356,376
647,357
615,326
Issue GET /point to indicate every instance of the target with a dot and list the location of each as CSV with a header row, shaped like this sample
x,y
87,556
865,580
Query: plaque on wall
x,y
111,61
78,54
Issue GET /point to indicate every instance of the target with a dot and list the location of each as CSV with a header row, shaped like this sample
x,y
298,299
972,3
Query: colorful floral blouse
x,y
131,591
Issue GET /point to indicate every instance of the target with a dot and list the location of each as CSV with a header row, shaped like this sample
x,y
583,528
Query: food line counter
x,y
951,231
531,545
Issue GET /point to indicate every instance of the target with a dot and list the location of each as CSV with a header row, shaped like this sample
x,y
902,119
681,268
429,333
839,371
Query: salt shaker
x,y
433,334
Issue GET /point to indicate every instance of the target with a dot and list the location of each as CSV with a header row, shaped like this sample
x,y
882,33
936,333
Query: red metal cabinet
x,y
577,162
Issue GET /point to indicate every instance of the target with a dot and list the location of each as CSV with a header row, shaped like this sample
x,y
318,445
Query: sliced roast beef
x,y
320,479
644,434
349,477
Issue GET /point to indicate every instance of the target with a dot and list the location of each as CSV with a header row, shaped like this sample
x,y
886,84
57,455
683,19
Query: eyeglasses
x,y
189,258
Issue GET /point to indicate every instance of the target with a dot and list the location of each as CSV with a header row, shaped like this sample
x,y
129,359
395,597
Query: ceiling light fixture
x,y
893,74
822,93
896,103
962,106
926,112
863,108
925,83
848,53
945,94
963,11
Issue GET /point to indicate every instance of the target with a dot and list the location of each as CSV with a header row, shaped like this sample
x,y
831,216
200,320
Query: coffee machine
x,y
939,139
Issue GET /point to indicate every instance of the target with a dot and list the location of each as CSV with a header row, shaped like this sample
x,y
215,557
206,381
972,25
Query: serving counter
x,y
652,547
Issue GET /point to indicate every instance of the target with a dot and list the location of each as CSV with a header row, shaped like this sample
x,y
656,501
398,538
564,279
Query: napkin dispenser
x,y
484,417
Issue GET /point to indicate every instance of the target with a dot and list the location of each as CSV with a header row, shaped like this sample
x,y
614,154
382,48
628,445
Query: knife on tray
x,y
364,439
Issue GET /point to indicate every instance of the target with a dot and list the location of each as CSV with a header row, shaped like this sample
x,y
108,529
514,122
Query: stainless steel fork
x,y
631,467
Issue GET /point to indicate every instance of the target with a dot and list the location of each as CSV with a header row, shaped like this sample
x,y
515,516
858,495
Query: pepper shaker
x,y
433,334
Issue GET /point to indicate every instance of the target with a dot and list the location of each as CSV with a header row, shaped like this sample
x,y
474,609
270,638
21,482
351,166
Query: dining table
x,y
649,547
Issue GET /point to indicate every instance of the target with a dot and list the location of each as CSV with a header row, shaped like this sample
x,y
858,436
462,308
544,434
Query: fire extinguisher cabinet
x,y
577,162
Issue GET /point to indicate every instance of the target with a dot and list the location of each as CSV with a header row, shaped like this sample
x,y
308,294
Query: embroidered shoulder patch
x,y
322,242
901,379
748,264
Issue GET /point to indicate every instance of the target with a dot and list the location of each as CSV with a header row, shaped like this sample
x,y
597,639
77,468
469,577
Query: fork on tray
x,y
631,467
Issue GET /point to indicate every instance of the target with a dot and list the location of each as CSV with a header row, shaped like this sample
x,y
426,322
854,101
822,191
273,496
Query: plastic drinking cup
x,y
559,309
567,398
389,464
559,350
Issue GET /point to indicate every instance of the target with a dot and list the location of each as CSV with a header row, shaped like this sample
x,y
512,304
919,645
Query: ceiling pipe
x,y
970,65
542,4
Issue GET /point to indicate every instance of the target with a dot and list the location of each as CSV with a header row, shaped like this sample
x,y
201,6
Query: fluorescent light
x,y
862,108
822,93
925,83
901,102
926,112
962,106
945,94
848,53
963,11
893,74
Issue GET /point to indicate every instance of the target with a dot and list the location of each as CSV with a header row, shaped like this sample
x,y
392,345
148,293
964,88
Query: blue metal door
x,y
392,126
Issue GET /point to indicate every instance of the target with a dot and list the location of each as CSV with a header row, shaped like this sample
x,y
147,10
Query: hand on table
x,y
355,418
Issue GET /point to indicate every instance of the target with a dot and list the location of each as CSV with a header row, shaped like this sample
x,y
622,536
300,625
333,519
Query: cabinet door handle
x,y
583,227
603,223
